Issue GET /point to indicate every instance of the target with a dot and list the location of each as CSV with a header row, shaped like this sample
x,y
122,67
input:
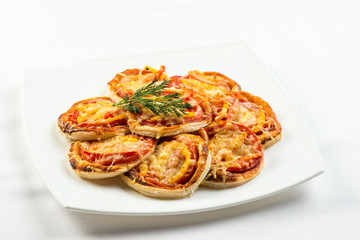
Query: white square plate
x,y
50,90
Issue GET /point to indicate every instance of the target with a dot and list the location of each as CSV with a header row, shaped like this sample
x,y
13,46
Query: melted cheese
x,y
245,116
189,114
116,144
253,117
227,147
222,114
172,116
204,89
134,82
260,121
95,112
169,163
209,79
250,115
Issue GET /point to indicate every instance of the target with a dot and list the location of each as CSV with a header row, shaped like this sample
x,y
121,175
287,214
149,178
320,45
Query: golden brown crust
x,y
153,187
74,131
165,131
96,170
233,170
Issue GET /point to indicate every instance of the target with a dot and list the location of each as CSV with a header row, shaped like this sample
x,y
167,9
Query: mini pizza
x,y
176,168
237,155
110,157
128,81
149,124
251,111
93,119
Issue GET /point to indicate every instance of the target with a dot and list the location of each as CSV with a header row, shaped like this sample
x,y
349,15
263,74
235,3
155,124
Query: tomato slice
x,y
239,168
175,81
128,81
155,183
117,150
210,78
74,115
96,112
110,158
187,176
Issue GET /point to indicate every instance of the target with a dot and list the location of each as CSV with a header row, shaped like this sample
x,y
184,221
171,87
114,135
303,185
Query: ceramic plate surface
x,y
49,90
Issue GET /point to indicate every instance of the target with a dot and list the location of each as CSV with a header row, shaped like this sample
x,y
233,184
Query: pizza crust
x,y
73,133
266,143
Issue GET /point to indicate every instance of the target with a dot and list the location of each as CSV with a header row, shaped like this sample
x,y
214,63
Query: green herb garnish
x,y
151,97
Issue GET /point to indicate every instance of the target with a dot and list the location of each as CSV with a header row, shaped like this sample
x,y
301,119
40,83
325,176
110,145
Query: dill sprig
x,y
151,97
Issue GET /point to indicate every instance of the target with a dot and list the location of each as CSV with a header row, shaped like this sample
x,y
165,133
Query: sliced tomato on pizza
x,y
251,111
110,157
237,155
215,79
174,170
128,81
207,85
93,119
149,124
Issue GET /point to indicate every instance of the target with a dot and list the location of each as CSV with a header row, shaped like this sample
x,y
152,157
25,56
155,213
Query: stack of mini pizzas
x,y
219,142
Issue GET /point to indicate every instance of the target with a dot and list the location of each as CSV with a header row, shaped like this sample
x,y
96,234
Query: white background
x,y
312,47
